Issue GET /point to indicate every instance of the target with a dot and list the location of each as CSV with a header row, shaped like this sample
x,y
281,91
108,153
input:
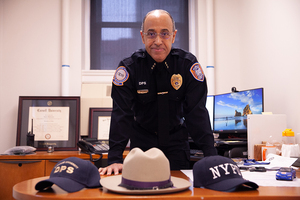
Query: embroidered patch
x,y
197,72
176,81
121,75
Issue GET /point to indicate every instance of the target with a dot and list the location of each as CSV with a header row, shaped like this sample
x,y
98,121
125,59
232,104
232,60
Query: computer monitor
x,y
231,110
210,108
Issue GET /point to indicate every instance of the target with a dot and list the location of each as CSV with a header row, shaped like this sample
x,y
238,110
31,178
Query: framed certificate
x,y
99,123
48,121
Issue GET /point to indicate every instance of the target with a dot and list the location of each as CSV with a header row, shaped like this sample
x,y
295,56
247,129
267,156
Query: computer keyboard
x,y
234,139
196,152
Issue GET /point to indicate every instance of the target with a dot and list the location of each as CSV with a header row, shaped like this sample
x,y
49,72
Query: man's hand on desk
x,y
115,168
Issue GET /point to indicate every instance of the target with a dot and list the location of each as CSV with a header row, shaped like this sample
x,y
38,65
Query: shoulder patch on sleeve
x,y
197,72
121,76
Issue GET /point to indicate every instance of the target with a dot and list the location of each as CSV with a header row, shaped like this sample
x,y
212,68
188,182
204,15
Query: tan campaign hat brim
x,y
112,184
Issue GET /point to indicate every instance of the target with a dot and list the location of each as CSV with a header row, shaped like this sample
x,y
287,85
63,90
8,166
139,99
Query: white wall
x,y
31,56
257,44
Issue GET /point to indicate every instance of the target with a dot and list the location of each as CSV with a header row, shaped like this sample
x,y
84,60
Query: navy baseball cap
x,y
72,174
220,173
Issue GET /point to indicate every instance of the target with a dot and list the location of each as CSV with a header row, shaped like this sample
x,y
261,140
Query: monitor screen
x,y
231,110
210,108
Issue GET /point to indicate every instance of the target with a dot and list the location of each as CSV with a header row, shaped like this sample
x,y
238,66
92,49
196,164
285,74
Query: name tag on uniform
x,y
143,91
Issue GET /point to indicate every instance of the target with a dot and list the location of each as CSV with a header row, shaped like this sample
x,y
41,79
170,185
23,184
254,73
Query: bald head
x,y
157,13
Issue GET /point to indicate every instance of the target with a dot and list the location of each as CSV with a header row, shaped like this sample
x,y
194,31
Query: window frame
x,y
105,76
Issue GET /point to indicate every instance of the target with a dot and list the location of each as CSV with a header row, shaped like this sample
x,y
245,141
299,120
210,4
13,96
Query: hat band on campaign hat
x,y
138,185
145,173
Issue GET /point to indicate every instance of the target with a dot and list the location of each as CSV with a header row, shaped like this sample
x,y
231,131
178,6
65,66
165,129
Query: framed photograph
x,y
99,123
45,121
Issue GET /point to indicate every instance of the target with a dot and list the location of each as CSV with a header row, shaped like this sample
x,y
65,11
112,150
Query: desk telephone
x,y
97,148
93,147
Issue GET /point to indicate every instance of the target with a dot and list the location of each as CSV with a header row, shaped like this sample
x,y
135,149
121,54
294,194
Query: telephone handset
x,y
88,148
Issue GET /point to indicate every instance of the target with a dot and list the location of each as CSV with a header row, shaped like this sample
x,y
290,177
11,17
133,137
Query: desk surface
x,y
25,190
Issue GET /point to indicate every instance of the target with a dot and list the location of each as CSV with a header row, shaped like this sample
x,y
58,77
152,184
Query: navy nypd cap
x,y
219,173
72,174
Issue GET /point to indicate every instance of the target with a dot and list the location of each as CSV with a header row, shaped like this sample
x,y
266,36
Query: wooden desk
x,y
17,168
44,155
25,191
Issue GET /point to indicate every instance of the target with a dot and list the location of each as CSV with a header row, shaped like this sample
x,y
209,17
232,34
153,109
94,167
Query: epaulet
x,y
183,54
134,57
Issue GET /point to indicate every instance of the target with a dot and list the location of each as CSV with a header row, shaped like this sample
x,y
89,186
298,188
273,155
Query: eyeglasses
x,y
163,35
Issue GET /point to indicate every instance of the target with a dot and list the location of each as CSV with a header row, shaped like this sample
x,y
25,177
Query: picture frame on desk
x,y
45,121
99,123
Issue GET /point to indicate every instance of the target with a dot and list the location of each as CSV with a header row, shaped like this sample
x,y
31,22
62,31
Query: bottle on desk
x,y
288,136
289,148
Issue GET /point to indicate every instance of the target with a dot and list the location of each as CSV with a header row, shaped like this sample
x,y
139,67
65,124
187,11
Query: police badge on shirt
x,y
176,81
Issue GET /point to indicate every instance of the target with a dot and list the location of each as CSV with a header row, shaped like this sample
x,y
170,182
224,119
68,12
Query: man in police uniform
x,y
159,96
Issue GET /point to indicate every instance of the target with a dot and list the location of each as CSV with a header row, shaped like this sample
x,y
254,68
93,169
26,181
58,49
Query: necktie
x,y
162,86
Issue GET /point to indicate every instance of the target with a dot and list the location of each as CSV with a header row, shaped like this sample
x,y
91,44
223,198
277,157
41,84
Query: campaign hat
x,y
72,174
145,173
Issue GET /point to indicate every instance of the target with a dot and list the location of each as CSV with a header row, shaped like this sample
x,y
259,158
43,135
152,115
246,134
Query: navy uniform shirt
x,y
135,100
